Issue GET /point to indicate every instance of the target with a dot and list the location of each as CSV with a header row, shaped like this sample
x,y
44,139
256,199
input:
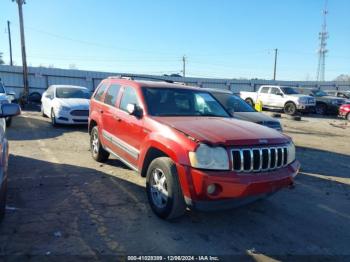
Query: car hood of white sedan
x,y
74,103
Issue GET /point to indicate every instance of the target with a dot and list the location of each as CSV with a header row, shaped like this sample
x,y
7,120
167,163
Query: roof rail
x,y
120,77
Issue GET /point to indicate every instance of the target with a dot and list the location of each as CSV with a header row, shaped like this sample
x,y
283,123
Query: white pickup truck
x,y
280,97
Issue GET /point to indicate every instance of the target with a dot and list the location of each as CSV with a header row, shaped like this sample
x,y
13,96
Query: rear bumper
x,y
233,189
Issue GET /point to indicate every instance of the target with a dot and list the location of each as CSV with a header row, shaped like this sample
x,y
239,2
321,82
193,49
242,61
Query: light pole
x,y
24,97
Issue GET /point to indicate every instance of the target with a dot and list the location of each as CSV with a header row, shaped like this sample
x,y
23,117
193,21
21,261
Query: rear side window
x,y
112,94
100,91
129,97
264,89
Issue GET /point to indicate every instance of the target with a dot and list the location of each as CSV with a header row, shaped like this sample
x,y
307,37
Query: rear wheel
x,y
250,102
290,108
163,189
321,109
97,151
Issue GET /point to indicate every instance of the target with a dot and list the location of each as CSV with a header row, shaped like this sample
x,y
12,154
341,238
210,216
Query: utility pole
x,y
275,66
184,66
24,97
10,43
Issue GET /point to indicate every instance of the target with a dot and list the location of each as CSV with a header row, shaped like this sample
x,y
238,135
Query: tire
x,y
97,151
8,121
3,200
321,109
53,118
250,102
290,108
42,111
276,115
162,177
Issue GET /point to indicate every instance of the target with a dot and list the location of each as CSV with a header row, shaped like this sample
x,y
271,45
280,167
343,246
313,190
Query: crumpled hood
x,y
224,131
75,103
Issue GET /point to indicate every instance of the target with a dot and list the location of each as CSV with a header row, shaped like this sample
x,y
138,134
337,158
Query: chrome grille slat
x,y
259,157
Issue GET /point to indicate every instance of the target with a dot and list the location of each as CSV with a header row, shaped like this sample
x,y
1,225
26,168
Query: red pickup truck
x,y
186,145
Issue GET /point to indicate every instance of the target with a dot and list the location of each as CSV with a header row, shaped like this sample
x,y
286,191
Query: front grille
x,y
311,101
80,120
80,113
259,159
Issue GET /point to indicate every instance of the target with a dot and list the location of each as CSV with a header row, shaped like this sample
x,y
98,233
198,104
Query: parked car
x,y
5,98
324,102
66,104
191,151
342,94
280,97
239,109
7,110
344,111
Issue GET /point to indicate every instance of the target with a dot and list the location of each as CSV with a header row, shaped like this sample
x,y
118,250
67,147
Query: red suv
x,y
344,111
186,145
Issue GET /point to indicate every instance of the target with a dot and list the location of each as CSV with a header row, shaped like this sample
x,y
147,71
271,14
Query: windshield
x,y
233,103
319,93
181,102
289,91
68,92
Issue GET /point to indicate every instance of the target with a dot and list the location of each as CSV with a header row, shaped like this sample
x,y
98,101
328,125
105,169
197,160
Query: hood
x,y
75,103
224,131
300,95
255,117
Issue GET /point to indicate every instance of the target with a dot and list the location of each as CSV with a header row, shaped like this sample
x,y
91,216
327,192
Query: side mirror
x,y
134,110
280,94
10,110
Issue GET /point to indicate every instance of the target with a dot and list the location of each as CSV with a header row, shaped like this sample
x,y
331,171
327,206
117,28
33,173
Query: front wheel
x,y
321,109
97,151
53,118
290,108
8,121
163,189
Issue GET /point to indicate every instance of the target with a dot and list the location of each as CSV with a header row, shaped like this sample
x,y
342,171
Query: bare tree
x,y
343,78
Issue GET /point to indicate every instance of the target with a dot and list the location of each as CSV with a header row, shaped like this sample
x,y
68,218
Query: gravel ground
x,y
61,202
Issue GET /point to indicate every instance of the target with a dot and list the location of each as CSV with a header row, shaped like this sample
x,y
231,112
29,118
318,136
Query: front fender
x,y
177,151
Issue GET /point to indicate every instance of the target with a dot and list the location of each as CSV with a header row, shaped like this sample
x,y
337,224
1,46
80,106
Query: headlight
x,y
291,153
63,108
303,100
207,157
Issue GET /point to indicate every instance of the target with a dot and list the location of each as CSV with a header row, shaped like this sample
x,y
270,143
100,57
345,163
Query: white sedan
x,y
66,104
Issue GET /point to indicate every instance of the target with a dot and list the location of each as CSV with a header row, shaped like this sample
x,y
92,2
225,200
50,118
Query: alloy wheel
x,y
159,190
95,143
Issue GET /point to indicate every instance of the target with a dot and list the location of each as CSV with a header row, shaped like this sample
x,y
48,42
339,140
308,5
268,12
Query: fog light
x,y
211,189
